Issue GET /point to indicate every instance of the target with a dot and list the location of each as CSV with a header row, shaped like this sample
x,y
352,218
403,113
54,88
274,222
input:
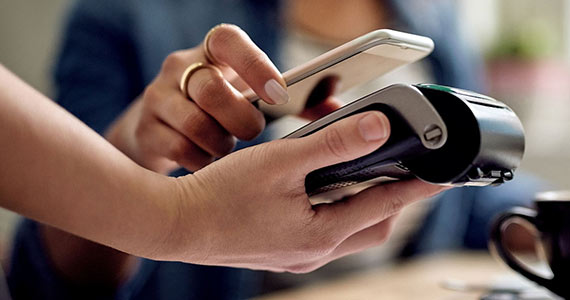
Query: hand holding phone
x,y
354,63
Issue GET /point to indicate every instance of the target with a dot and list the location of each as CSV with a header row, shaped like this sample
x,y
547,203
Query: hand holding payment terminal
x,y
439,134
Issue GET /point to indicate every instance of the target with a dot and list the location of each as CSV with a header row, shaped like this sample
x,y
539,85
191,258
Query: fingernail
x,y
373,128
276,92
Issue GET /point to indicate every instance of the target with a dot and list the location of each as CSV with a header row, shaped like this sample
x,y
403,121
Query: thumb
x,y
344,140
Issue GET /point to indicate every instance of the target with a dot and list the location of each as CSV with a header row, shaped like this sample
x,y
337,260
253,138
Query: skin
x,y
162,131
76,181
194,217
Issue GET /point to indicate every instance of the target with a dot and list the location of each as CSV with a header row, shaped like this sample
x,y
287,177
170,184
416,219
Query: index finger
x,y
375,204
230,45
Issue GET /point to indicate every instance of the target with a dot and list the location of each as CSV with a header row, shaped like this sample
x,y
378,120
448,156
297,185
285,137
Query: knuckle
x,y
225,34
192,123
151,95
252,128
205,131
319,243
253,62
396,202
335,144
178,149
225,147
208,92
173,61
233,27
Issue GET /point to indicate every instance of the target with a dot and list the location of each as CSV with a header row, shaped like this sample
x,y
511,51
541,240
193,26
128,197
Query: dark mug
x,y
552,221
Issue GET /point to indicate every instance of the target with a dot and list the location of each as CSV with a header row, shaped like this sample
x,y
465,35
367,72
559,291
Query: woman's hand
x,y
163,129
250,208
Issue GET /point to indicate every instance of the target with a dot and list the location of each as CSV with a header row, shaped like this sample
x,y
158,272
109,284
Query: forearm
x,y
57,171
247,209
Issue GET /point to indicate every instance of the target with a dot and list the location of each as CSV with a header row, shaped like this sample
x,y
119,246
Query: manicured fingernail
x,y
276,92
373,128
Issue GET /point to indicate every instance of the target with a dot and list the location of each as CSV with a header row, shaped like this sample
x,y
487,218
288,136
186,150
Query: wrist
x,y
183,236
151,215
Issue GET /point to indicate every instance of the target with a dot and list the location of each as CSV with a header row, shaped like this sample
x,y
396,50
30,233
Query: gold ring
x,y
211,59
191,69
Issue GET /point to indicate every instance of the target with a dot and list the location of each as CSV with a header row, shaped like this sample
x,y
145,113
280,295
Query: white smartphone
x,y
354,63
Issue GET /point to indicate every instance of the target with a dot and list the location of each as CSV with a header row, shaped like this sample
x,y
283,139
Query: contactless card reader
x,y
438,134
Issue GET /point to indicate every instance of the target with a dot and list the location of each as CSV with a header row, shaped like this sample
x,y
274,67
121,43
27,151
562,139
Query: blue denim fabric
x,y
31,276
112,49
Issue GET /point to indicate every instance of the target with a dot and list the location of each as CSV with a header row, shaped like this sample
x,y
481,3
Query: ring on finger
x,y
211,59
191,69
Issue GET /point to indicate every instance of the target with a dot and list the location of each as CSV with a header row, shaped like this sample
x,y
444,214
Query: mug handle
x,y
497,245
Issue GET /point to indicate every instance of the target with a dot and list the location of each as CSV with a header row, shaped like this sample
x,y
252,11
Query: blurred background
x,y
525,43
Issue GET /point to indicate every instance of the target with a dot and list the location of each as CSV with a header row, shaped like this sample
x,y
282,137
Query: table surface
x,y
421,278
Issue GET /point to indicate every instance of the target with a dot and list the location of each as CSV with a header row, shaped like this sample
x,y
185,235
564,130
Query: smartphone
x,y
354,63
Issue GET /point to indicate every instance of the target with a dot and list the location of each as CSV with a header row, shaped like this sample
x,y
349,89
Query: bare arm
x,y
58,171
248,209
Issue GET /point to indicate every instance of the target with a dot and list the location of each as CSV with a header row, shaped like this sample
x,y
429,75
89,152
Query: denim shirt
x,y
112,49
